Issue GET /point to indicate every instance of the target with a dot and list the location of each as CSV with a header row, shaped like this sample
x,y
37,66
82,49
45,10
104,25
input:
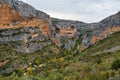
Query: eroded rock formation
x,y
90,33
26,28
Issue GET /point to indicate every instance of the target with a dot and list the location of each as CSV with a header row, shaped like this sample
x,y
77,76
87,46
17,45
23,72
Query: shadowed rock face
x,y
23,27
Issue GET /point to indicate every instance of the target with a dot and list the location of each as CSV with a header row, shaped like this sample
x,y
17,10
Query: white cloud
x,y
82,10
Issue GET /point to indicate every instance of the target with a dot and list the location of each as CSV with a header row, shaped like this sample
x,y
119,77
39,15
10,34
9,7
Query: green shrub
x,y
116,64
37,61
98,61
20,72
112,73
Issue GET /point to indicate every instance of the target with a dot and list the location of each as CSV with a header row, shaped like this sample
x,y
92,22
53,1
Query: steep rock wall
x,y
23,27
89,33
102,29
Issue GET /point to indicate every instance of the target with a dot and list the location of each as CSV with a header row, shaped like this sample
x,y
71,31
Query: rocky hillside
x,y
23,27
98,62
89,33
62,49
68,31
28,30
102,29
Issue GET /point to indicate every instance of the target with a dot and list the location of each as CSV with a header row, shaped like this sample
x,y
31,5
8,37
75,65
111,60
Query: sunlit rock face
x,y
23,27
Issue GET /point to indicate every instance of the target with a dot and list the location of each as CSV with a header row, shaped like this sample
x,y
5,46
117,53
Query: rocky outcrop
x,y
60,23
23,27
113,49
64,37
102,29
89,33
68,35
25,9
25,40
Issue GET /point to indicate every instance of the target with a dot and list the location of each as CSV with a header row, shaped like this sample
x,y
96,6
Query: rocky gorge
x,y
28,30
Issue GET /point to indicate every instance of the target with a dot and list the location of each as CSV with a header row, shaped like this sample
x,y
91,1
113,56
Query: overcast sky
x,y
82,10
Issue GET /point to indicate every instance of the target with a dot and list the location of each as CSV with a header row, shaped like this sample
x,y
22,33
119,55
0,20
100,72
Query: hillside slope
x,y
66,50
54,63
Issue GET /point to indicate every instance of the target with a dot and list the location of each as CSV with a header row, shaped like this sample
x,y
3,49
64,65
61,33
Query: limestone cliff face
x,y
67,36
23,27
89,33
63,24
102,29
28,30
64,37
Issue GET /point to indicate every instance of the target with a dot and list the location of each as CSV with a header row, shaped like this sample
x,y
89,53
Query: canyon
x,y
28,30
